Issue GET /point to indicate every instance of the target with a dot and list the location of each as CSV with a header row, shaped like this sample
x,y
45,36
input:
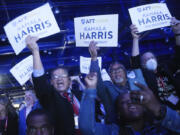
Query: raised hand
x,y
134,31
146,97
175,25
93,50
31,43
76,78
91,80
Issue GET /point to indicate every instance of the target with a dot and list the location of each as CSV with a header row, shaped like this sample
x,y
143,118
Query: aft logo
x,y
144,9
87,21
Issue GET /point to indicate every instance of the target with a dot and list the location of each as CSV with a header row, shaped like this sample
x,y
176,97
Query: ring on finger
x,y
141,98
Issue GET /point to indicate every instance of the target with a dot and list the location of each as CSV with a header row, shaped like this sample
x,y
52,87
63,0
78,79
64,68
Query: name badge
x,y
76,121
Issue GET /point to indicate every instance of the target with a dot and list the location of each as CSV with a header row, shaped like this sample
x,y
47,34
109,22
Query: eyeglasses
x,y
59,76
116,70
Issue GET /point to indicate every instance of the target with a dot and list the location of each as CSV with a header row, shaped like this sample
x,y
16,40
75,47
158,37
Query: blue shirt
x,y
89,126
22,118
108,92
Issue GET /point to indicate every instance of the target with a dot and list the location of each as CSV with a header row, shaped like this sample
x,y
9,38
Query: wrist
x,y
91,87
154,108
161,113
94,58
136,38
35,51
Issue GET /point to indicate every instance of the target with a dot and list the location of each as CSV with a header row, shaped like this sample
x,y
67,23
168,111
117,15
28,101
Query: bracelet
x,y
177,34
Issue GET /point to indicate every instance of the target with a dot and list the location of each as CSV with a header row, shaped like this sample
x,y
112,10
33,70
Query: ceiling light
x,y
3,37
56,11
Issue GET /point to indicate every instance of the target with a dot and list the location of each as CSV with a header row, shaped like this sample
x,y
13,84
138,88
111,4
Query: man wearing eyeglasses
x,y
58,99
108,91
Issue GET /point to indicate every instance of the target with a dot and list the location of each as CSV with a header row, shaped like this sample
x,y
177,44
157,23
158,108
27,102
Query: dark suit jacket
x,y
12,125
58,107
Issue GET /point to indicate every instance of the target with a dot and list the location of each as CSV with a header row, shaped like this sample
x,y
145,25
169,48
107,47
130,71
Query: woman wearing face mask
x,y
8,117
160,77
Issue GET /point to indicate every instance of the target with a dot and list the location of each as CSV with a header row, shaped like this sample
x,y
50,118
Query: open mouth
x,y
60,84
132,108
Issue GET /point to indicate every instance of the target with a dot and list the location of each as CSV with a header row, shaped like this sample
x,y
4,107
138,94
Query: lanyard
x,y
162,82
6,124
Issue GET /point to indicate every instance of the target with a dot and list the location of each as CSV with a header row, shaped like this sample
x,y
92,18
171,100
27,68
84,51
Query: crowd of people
x,y
100,107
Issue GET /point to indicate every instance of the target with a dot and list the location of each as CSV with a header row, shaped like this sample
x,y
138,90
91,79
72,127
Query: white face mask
x,y
151,64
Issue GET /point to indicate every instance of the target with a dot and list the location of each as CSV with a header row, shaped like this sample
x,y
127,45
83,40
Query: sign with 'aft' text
x,y
102,29
39,22
150,16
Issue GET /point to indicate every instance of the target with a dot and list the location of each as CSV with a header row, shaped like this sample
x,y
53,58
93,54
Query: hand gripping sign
x,y
150,16
39,22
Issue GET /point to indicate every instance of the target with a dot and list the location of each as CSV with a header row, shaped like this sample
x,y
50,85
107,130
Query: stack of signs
x,y
102,29
39,22
150,16
23,70
85,64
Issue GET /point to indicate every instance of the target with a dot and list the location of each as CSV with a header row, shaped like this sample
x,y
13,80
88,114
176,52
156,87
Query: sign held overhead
x,y
103,29
150,16
39,22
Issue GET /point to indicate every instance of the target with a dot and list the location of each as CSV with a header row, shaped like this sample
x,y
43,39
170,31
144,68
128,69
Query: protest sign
x,y
23,70
85,64
39,22
150,16
103,29
104,75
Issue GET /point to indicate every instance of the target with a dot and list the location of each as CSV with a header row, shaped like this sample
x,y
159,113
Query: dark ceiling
x,y
60,49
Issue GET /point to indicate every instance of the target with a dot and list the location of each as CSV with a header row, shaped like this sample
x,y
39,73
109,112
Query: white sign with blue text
x,y
150,16
103,29
23,70
105,76
86,62
39,22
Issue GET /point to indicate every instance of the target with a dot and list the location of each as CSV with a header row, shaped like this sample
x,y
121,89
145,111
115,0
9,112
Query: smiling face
x,y
128,110
60,80
118,74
